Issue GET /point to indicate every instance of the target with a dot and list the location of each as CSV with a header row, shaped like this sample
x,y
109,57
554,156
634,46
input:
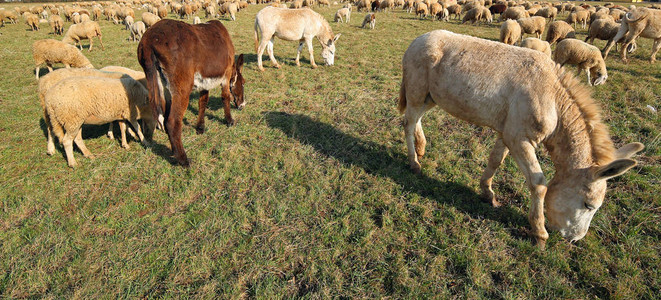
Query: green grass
x,y
310,193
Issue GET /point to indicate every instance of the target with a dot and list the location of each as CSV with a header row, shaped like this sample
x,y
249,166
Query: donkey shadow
x,y
381,161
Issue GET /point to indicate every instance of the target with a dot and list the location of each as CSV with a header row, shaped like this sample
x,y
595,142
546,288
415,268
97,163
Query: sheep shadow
x,y
381,161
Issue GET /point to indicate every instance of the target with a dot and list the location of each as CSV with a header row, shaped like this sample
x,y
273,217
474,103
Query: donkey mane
x,y
578,94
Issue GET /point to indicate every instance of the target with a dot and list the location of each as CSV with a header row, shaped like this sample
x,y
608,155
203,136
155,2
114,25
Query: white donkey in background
x,y
293,25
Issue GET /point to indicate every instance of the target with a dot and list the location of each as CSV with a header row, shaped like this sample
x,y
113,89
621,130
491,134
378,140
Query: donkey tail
x,y
256,41
401,106
153,74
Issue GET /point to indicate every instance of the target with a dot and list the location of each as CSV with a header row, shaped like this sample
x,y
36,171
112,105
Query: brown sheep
x,y
580,16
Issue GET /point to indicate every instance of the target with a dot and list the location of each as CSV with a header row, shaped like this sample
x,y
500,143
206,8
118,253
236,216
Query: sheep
x,y
510,32
10,16
56,24
537,44
343,12
370,19
547,12
73,102
82,31
210,11
603,29
473,15
443,15
231,8
137,30
514,13
299,4
324,2
434,9
617,14
75,18
32,21
455,9
585,56
533,25
643,22
580,16
197,20
84,17
559,30
149,19
421,10
128,21
486,15
53,51
162,12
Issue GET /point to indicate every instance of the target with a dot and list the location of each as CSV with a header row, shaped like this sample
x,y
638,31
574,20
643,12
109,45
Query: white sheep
x,y
137,30
510,32
537,44
559,30
585,56
56,24
533,25
128,21
83,31
53,51
343,12
76,101
197,20
370,19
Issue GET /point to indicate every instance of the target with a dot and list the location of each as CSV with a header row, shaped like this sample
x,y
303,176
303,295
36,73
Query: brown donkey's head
x,y
236,83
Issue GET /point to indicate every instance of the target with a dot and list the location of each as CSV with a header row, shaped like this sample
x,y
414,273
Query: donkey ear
x,y
629,150
336,37
614,169
239,62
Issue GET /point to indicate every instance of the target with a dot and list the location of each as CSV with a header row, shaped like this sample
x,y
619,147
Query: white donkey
x,y
293,25
528,101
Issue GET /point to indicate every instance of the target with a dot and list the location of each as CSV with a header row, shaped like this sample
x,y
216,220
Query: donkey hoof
x,y
314,66
416,168
199,129
277,66
231,122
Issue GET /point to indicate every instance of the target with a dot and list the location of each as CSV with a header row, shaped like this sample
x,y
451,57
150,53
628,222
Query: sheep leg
x,y
36,72
655,49
311,50
90,49
496,158
136,125
50,67
122,131
298,53
50,145
269,49
204,100
100,42
67,142
81,145
110,133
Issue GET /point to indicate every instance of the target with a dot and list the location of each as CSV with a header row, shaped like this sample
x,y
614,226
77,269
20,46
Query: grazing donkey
x,y
527,103
182,57
293,25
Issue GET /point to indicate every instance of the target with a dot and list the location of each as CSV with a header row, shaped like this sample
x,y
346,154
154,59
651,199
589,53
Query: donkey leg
x,y
204,100
175,123
227,97
412,118
298,54
311,50
260,51
269,49
81,145
496,158
524,153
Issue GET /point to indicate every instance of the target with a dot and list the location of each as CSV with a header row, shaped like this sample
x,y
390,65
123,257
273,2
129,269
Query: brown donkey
x,y
182,58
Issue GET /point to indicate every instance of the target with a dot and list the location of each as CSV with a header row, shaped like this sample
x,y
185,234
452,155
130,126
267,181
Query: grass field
x,y
310,194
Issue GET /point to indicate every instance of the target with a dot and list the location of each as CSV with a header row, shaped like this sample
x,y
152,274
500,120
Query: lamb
x,y
580,16
559,30
533,25
510,32
137,30
514,13
56,24
343,12
149,19
76,101
537,44
32,21
128,21
585,56
53,51
82,31
370,19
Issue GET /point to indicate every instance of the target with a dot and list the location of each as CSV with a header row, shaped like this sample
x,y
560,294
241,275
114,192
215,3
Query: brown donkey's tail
x,y
153,74
401,106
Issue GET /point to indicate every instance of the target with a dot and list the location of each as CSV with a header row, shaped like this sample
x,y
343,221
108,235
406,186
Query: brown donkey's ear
x,y
239,62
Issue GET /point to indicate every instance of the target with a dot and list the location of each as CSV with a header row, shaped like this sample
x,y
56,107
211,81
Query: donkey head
x,y
236,83
572,199
328,50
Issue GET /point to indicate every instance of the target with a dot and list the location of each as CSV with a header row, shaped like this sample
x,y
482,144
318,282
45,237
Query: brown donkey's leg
x,y
204,100
227,97
174,124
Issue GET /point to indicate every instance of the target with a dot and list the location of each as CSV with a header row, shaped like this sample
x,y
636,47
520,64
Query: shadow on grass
x,y
379,160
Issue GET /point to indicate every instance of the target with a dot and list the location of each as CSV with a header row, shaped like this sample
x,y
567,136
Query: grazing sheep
x,y
343,12
580,16
162,12
197,20
514,13
324,2
486,15
559,30
229,8
455,9
73,102
370,19
603,29
84,17
510,32
53,51
137,30
473,15
149,19
497,9
547,12
56,24
33,22
83,31
210,11
434,9
10,16
128,21
537,44
443,15
533,25
75,18
585,56
643,22
421,10
296,4
617,14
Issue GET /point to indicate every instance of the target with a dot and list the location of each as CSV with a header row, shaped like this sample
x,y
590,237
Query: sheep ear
x,y
614,169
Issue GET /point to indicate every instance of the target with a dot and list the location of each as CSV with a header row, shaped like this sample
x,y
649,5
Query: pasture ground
x,y
310,193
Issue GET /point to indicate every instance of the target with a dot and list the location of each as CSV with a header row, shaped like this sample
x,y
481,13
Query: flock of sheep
x,y
120,94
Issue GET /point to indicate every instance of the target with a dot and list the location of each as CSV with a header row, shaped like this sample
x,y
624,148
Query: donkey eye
x,y
588,206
